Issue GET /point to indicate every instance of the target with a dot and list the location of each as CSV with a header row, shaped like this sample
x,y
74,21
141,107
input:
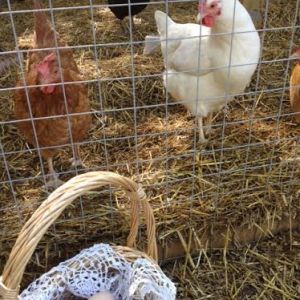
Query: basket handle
x,y
53,206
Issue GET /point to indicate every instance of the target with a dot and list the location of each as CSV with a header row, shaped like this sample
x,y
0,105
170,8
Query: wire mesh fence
x,y
246,172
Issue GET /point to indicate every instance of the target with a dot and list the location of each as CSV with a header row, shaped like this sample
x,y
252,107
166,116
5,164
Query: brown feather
x,y
295,92
44,37
53,131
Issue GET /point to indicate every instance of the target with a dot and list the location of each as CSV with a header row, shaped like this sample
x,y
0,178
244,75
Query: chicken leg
x,y
202,138
132,24
53,182
76,161
208,123
123,27
126,28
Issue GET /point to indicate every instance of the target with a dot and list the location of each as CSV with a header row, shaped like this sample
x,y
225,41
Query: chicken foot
x,y
53,182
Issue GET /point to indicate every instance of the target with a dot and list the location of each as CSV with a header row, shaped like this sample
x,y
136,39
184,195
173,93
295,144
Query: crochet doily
x,y
98,269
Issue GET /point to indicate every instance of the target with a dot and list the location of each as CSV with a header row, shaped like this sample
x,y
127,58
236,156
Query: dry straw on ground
x,y
245,180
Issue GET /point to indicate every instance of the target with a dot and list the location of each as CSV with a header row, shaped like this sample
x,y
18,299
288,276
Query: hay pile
x,y
247,174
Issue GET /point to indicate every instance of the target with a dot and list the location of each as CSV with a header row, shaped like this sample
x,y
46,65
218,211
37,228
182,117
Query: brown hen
x,y
52,100
295,87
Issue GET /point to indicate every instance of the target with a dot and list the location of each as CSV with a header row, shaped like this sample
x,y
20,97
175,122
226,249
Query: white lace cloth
x,y
98,269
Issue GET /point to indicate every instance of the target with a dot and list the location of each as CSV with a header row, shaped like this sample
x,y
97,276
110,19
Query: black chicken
x,y
123,11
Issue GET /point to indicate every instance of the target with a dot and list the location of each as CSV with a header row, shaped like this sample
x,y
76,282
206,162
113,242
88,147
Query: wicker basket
x,y
49,211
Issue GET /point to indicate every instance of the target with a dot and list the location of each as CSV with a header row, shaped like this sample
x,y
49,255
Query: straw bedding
x,y
246,175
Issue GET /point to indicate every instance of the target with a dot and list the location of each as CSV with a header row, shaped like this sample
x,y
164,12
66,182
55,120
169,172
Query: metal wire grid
x,y
137,161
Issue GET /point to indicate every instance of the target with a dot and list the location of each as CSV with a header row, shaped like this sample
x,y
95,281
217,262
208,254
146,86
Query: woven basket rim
x,y
46,214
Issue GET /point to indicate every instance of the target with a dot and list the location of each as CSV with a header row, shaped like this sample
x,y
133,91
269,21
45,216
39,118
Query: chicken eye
x,y
213,5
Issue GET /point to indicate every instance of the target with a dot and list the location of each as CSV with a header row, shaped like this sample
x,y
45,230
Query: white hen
x,y
205,78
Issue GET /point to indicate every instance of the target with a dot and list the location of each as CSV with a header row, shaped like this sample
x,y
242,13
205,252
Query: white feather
x,y
224,71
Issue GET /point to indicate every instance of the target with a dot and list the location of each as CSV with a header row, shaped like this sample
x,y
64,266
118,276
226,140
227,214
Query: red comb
x,y
43,68
50,57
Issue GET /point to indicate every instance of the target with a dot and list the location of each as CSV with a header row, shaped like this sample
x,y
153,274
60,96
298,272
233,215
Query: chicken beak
x,y
202,13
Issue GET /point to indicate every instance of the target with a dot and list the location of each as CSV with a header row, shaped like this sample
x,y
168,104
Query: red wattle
x,y
48,89
208,21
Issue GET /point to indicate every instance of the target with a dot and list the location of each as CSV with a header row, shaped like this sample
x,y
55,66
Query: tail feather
x,y
44,33
162,21
151,44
